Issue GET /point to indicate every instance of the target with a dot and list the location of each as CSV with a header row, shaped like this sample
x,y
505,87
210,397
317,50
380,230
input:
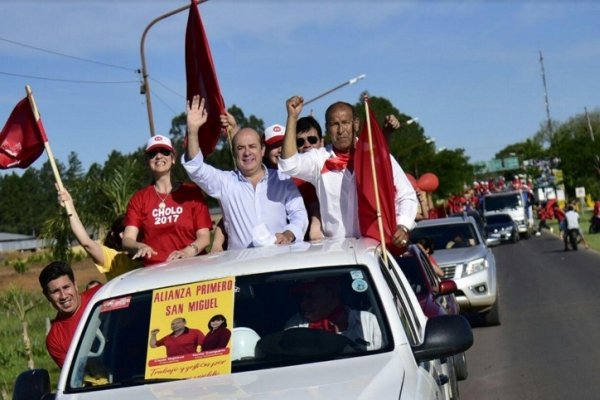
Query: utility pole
x,y
546,95
597,166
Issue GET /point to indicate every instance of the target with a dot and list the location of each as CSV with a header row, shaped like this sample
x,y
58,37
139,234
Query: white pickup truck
x,y
514,203
374,343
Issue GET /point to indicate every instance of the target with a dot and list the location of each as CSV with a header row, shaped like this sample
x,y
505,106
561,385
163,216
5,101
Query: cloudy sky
x,y
469,70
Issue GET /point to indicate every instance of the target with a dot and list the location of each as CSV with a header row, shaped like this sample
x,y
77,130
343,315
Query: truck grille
x,y
449,271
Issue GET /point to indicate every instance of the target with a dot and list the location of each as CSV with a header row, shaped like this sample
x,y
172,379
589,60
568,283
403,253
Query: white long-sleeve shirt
x,y
275,202
336,191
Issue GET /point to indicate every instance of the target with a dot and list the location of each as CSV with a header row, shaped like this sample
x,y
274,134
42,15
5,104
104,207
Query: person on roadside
x,y
260,207
109,257
330,170
60,288
182,340
571,228
172,218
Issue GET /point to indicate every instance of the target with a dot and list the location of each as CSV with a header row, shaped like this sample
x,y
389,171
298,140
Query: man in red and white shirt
x,y
58,285
330,170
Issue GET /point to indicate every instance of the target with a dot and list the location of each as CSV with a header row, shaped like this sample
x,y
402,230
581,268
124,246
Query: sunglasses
x,y
310,139
153,153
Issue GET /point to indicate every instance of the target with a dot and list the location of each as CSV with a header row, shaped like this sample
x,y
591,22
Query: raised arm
x,y
91,247
196,117
153,340
294,108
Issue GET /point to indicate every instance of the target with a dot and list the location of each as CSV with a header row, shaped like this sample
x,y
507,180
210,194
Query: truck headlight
x,y
475,266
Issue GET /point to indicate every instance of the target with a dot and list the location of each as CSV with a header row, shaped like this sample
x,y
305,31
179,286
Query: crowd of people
x,y
288,186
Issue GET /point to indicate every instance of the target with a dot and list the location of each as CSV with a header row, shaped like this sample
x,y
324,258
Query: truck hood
x,y
459,255
368,377
499,226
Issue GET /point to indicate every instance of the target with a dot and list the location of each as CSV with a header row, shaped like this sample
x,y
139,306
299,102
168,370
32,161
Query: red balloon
x,y
428,182
413,181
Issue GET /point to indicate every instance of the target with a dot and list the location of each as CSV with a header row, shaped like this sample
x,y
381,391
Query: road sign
x,y
580,192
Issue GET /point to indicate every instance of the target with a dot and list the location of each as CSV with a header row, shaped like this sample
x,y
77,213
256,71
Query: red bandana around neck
x,y
326,324
339,162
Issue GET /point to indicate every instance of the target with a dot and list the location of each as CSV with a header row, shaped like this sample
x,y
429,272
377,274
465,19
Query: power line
x,y
165,104
68,55
167,88
43,78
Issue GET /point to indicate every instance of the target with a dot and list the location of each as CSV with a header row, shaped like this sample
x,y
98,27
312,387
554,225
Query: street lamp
x,y
145,89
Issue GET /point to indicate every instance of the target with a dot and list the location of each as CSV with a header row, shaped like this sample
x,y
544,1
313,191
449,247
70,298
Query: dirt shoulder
x,y
84,270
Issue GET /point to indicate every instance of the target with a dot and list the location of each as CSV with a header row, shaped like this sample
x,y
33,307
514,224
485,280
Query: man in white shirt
x,y
330,170
321,308
259,207
572,228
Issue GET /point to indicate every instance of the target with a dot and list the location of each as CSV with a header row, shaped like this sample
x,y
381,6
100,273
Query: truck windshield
x,y
502,202
264,321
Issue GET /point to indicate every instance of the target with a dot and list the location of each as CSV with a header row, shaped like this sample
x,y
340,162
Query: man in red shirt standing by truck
x,y
58,285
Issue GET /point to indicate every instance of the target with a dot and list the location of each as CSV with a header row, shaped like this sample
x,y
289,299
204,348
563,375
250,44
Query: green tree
x,y
572,143
453,171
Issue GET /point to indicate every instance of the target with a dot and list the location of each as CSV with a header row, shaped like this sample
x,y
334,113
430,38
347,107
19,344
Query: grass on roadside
x,y
593,240
13,357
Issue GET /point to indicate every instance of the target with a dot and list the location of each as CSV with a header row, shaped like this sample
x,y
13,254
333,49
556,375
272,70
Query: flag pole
x,y
349,82
375,185
230,140
36,115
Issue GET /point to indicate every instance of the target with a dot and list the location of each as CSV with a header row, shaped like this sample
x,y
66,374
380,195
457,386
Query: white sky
x,y
469,70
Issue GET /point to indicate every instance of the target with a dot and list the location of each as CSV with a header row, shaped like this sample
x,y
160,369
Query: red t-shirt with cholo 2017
x,y
170,228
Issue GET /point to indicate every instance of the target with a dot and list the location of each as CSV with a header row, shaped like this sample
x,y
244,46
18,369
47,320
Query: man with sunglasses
x,y
260,207
309,136
331,171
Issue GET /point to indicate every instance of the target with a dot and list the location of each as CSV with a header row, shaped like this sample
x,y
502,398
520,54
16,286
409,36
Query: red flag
x,y
202,79
22,138
365,186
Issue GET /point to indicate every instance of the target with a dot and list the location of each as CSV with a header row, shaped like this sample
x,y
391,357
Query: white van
x,y
514,203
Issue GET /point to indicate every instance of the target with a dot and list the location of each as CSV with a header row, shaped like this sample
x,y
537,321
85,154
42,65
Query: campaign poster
x,y
190,330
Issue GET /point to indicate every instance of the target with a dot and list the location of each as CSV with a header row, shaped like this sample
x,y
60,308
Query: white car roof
x,y
242,262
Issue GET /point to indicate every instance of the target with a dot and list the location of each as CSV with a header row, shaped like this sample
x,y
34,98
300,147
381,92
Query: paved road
x,y
548,345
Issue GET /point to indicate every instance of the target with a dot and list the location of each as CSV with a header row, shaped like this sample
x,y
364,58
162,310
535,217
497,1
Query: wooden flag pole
x,y
230,140
36,114
375,185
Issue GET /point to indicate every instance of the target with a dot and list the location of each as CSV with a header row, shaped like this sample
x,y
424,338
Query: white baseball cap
x,y
274,134
157,142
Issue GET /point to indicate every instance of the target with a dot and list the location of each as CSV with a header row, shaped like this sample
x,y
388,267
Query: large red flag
x,y
22,138
366,187
202,79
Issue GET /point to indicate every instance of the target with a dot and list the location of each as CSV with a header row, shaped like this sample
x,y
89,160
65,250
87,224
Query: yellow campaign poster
x,y
190,330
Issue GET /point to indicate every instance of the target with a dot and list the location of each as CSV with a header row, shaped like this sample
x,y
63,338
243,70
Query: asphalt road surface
x,y
548,343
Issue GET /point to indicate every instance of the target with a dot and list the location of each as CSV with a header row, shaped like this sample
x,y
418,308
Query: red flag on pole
x,y
370,162
202,79
22,138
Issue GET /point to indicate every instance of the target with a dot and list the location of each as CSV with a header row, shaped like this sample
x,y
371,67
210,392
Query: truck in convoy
x,y
516,203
